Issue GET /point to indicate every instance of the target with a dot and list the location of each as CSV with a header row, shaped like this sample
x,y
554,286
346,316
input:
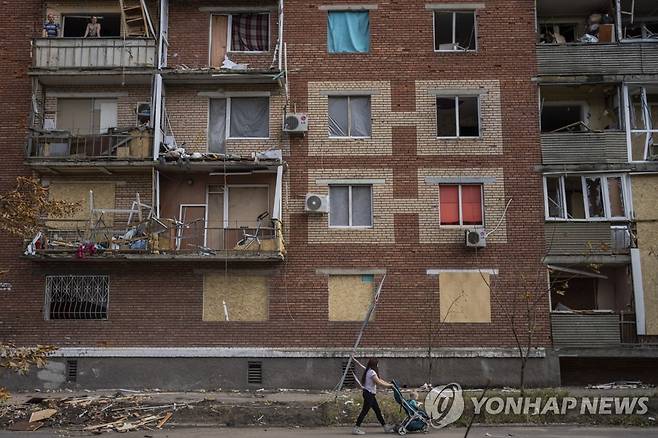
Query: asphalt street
x,y
330,432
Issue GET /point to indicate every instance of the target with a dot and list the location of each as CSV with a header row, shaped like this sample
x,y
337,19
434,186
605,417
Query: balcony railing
x,y
155,238
597,59
584,147
60,145
93,53
593,328
587,238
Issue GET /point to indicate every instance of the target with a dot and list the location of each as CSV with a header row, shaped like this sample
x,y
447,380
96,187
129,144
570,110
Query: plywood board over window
x,y
465,297
350,297
78,192
235,297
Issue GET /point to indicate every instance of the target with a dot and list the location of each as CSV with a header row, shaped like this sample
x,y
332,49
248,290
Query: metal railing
x,y
93,53
77,238
63,145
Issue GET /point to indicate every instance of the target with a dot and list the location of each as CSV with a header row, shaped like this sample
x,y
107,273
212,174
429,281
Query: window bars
x,y
77,296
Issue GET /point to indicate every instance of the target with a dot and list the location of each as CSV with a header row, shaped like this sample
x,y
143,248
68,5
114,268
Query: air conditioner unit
x,y
316,203
476,238
295,122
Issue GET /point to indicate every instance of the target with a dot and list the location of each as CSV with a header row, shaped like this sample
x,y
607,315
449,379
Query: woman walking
x,y
369,382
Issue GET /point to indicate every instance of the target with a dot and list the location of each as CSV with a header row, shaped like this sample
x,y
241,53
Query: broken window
x,y
460,204
143,111
557,33
233,297
350,206
458,116
585,197
348,32
554,196
644,122
639,20
77,296
465,297
237,117
454,31
349,116
76,25
350,296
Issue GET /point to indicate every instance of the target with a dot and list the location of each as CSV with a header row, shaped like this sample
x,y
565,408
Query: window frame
x,y
229,33
459,203
349,116
632,116
227,129
48,297
604,193
454,13
458,136
350,208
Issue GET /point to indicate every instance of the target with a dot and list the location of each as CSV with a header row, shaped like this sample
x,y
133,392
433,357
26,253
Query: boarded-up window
x,y
464,297
350,297
104,197
235,297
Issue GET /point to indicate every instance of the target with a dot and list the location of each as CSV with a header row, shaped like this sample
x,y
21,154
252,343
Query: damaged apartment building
x,y
248,173
598,85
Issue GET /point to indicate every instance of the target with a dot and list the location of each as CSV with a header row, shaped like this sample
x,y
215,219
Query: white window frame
x,y
456,97
228,117
461,213
630,131
454,30
349,208
229,34
349,116
605,197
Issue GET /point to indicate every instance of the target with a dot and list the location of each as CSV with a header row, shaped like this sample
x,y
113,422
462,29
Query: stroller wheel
x,y
402,431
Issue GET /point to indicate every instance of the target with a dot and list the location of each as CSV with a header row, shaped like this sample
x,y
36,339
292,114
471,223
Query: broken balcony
x,y
592,305
597,37
582,125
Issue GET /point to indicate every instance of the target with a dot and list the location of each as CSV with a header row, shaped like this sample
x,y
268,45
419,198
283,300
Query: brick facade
x,y
160,304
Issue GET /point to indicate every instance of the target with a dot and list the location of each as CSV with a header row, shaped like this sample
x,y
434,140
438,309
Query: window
x,y
143,111
350,116
458,116
590,197
460,204
556,116
233,297
454,31
644,122
557,33
350,297
86,116
248,32
465,297
237,117
348,32
77,296
350,206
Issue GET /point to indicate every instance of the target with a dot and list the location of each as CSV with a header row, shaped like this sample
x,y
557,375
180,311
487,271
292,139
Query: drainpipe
x,y
280,34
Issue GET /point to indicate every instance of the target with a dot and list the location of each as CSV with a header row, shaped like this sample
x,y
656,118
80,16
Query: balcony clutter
x,y
146,234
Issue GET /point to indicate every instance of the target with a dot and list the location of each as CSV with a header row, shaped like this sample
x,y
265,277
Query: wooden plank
x,y
219,29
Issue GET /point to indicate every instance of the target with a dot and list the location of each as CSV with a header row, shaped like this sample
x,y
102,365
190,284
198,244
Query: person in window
x,y
369,382
93,28
50,28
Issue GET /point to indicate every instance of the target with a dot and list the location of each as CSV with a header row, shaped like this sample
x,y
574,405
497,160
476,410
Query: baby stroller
x,y
416,420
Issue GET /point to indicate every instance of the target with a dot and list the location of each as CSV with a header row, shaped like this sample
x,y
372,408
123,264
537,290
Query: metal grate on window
x,y
349,378
77,296
254,372
71,370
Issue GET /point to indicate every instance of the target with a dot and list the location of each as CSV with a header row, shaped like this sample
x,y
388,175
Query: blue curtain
x,y
348,32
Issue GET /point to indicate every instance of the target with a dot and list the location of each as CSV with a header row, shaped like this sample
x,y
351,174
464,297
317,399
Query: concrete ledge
x,y
256,352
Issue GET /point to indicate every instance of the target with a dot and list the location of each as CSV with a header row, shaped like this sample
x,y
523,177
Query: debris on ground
x,y
622,384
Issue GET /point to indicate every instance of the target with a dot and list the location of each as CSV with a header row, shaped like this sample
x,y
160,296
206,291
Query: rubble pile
x,y
96,414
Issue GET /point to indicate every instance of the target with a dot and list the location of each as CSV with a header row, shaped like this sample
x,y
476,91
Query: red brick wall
x,y
160,304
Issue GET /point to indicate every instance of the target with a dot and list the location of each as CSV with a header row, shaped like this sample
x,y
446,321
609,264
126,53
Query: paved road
x,y
331,432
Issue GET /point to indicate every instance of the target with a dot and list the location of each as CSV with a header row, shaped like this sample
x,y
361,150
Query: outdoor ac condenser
x,y
316,203
295,123
476,238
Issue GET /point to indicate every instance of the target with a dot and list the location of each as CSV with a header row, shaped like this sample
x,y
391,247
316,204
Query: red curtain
x,y
449,205
472,205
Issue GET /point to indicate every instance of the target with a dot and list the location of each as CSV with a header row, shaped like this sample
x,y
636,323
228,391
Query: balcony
x,y
588,239
60,151
156,240
592,329
56,54
584,147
